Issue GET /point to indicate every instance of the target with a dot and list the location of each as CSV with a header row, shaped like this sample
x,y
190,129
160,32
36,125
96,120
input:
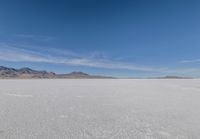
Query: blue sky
x,y
138,38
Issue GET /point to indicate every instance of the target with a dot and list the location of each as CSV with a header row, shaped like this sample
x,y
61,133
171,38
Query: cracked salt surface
x,y
99,109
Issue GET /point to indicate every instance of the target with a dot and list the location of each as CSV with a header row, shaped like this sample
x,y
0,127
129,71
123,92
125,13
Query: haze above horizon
x,y
121,38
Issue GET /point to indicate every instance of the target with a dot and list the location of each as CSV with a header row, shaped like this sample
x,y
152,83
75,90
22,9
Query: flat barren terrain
x,y
100,109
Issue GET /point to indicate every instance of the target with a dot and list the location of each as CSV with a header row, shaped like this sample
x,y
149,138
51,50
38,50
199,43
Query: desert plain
x,y
100,109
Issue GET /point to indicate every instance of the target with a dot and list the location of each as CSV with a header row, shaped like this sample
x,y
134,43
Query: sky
x,y
122,38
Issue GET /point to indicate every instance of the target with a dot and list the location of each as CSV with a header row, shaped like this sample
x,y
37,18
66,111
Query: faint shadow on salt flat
x,y
19,95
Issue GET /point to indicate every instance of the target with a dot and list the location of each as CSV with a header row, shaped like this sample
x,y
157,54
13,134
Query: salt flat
x,y
100,109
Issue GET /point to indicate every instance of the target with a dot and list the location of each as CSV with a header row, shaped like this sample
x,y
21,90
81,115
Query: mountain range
x,y
27,73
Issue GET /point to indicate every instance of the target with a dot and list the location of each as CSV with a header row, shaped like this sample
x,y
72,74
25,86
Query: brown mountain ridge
x,y
28,73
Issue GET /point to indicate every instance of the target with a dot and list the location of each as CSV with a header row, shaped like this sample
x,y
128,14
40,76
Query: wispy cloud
x,y
35,37
190,61
12,53
57,56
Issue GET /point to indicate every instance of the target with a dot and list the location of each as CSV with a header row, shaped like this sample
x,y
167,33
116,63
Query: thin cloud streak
x,y
14,54
35,37
190,61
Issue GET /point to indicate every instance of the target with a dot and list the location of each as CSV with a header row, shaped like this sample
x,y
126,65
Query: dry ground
x,y
100,109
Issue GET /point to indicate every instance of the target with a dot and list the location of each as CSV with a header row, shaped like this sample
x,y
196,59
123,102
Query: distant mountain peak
x,y
29,73
78,73
25,68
